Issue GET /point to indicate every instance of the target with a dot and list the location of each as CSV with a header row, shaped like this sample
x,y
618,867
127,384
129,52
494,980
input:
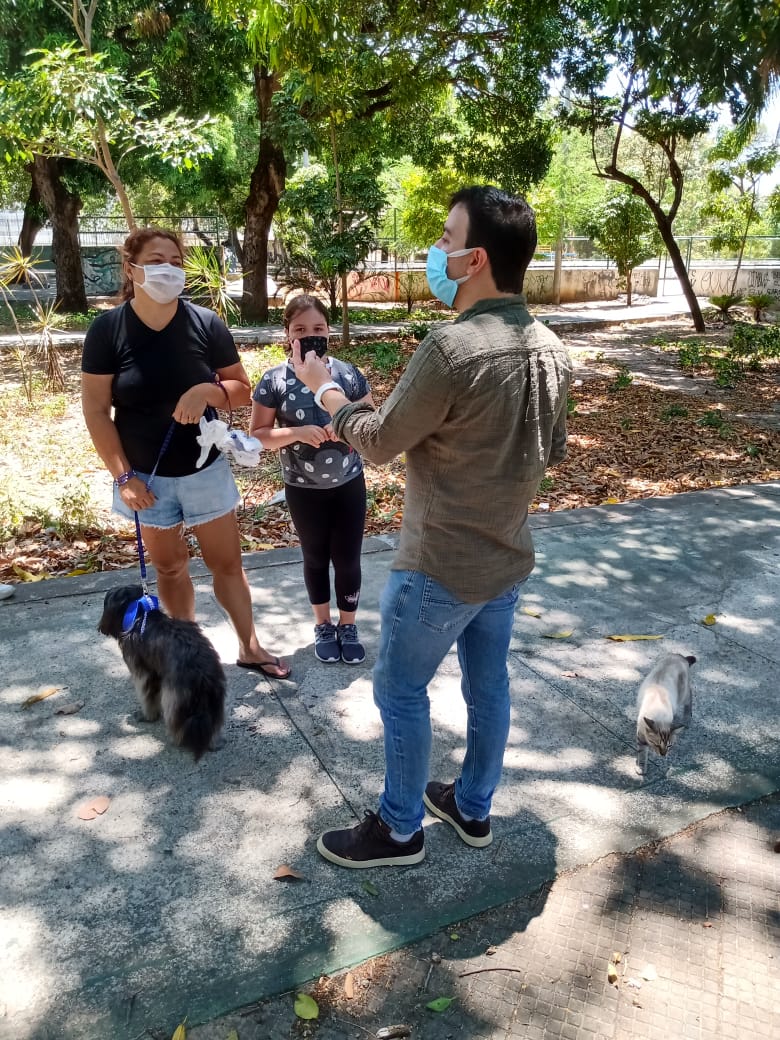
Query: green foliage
x,y
385,355
753,344
623,379
724,303
418,329
760,302
207,282
674,411
690,354
320,242
713,420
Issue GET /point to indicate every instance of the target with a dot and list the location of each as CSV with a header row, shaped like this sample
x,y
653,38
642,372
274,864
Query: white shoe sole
x,y
475,843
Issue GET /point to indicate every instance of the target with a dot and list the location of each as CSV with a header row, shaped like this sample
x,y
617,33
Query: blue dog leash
x,y
141,607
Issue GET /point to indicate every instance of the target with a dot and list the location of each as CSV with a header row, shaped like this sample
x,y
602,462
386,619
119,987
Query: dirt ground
x,y
639,426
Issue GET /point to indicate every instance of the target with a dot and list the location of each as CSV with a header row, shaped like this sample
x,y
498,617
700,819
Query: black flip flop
x,y
262,667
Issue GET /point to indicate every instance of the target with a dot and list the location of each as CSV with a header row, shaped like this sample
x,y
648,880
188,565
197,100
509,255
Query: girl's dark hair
x,y
303,303
134,244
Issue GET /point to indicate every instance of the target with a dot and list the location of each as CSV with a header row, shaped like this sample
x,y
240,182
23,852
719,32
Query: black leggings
x,y
330,523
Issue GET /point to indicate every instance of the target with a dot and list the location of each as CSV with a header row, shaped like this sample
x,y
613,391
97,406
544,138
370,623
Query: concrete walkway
x,y
167,906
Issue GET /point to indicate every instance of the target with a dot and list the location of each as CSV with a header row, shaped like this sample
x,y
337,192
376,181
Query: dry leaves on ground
x,y
625,443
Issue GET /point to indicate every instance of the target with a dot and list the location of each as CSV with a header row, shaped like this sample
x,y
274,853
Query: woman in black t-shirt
x,y
149,361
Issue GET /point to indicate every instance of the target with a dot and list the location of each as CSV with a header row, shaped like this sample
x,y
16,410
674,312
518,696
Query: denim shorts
x,y
196,499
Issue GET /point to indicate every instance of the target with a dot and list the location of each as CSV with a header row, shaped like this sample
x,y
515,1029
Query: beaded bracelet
x,y
123,478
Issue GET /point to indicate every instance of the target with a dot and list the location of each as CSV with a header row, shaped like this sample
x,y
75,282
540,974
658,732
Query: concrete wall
x,y
577,283
712,280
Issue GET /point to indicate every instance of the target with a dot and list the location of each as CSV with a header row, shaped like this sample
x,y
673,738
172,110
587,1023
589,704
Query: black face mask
x,y
319,344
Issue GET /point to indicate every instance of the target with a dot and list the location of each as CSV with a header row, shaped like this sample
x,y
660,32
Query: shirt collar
x,y
494,303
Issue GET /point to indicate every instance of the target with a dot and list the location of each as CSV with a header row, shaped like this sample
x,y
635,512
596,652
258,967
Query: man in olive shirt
x,y
480,412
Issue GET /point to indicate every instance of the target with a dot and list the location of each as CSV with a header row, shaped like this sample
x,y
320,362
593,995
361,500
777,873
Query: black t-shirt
x,y
151,371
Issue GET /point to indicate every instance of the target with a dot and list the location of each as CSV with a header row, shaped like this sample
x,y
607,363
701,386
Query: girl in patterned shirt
x,y
324,483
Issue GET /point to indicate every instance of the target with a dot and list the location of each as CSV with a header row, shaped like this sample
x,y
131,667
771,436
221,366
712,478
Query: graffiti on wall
x,y
717,281
102,271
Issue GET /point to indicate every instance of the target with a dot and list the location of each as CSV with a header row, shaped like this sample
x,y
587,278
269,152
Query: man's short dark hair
x,y
505,227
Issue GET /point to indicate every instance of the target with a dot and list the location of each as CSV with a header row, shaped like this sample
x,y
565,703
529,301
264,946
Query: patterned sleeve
x,y
358,384
265,393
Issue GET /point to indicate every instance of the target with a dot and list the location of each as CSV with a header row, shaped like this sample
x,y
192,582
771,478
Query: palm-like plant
x,y
207,282
15,269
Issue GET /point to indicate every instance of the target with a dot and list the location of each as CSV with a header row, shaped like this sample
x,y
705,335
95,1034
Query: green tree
x,y
670,79
622,227
734,180
385,72
320,247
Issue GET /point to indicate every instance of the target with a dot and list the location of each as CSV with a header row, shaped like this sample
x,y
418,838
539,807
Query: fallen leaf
x,y
180,1033
440,1003
79,570
617,957
20,572
649,972
70,709
490,951
531,612
707,924
570,675
96,807
611,502
631,639
454,936
710,619
306,1007
349,986
558,635
285,873
232,1035
47,691
635,1002
396,1032
372,890
612,975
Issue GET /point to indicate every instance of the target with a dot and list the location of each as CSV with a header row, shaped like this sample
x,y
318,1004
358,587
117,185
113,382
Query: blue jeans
x,y
421,619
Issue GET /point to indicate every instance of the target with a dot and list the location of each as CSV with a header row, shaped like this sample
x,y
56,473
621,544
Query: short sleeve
x,y
99,355
222,348
265,391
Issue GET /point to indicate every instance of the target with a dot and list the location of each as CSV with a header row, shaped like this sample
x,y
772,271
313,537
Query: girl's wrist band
x,y
123,478
324,389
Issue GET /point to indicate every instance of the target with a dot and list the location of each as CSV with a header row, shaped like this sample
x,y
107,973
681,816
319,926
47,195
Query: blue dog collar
x,y
139,608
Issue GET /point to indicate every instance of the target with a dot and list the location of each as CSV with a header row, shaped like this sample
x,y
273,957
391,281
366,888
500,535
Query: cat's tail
x,y
690,659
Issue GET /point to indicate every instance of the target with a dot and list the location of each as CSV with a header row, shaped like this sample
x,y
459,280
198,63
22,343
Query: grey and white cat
x,y
664,706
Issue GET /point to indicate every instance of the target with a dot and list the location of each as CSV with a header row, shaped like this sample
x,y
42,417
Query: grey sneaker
x,y
440,800
352,651
326,643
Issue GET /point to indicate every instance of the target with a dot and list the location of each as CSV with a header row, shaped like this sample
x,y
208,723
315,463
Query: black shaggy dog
x,y
175,668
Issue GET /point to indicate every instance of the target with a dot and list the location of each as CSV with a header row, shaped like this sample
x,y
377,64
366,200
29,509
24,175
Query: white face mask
x,y
162,282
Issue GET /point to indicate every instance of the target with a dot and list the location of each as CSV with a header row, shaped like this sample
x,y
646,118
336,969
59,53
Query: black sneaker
x,y
352,651
440,799
370,845
326,643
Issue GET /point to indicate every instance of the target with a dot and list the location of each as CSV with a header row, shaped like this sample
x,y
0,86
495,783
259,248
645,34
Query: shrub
x,y
725,303
758,303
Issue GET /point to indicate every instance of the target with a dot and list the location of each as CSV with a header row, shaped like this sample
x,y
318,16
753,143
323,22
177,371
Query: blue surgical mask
x,y
442,286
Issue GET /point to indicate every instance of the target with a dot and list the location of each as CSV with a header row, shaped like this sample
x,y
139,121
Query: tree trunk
x,y
678,264
235,244
628,287
265,189
34,219
62,207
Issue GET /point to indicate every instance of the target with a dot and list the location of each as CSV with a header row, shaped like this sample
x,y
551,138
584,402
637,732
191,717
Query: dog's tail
x,y
196,734
194,718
